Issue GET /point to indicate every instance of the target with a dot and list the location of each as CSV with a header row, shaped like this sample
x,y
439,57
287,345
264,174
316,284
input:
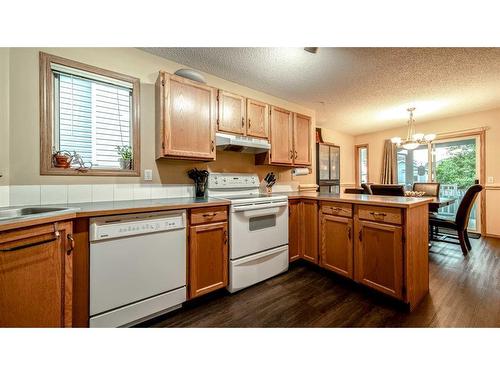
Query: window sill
x,y
91,172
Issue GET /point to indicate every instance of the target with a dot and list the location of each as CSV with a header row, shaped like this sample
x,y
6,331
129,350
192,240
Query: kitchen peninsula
x,y
377,241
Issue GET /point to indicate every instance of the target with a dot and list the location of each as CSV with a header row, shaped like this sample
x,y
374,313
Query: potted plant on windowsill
x,y
125,153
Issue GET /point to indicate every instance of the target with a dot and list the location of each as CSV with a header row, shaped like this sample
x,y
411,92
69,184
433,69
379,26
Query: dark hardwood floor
x,y
464,292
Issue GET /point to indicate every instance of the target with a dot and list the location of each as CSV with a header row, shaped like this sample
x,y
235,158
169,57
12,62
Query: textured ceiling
x,y
360,90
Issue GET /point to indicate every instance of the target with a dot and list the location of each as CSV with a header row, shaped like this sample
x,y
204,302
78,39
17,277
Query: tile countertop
x,y
92,209
375,200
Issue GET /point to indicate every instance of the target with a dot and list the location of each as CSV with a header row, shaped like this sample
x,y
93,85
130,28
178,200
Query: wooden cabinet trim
x,y
348,246
398,249
194,288
381,214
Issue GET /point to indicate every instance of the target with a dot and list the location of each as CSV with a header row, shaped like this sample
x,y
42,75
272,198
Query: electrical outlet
x,y
148,175
491,180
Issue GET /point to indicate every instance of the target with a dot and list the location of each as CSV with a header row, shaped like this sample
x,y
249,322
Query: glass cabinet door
x,y
324,162
334,163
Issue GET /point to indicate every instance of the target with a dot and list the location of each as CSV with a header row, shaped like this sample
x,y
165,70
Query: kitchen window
x,y
89,120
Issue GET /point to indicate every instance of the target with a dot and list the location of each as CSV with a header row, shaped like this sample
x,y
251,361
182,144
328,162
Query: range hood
x,y
239,143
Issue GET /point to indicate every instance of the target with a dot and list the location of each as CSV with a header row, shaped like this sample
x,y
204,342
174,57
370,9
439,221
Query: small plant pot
x,y
125,164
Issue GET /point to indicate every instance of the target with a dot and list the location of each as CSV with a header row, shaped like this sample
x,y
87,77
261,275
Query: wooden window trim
x,y
46,119
356,161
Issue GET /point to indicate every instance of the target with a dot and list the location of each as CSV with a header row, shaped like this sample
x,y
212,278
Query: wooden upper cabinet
x,y
185,118
379,257
281,136
294,227
302,140
257,119
309,224
208,258
36,276
336,244
231,113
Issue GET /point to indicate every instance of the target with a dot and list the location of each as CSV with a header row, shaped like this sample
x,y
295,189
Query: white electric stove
x,y
258,228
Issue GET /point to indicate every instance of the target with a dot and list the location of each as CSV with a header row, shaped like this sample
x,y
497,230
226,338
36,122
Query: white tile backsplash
x,y
21,195
180,191
4,195
79,193
53,194
142,191
123,192
159,191
103,193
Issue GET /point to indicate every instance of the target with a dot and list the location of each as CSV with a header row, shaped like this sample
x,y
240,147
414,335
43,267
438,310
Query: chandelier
x,y
413,140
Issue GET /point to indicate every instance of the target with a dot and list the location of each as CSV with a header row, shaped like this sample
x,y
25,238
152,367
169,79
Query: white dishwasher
x,y
137,267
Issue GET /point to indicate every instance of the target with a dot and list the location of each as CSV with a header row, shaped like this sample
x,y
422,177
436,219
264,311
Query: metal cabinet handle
x,y
243,122
71,244
295,152
225,237
212,214
360,236
213,146
15,248
383,214
291,154
249,123
349,232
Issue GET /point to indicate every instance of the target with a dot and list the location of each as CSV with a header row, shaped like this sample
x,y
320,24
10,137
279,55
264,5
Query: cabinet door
x,y
208,258
190,119
36,277
336,244
281,136
257,119
231,113
294,230
379,257
309,224
302,140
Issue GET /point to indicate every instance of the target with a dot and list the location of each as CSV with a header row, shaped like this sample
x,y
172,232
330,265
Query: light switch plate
x,y
148,175
491,180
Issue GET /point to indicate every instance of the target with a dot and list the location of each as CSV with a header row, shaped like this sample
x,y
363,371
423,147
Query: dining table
x,y
438,202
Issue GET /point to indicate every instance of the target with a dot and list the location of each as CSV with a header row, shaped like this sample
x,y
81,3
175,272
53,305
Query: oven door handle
x,y
259,206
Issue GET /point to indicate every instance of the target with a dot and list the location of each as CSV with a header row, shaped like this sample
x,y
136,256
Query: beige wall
x,y
4,116
24,123
346,143
490,119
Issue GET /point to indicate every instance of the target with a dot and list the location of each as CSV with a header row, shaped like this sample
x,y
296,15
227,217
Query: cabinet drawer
x,y
337,209
208,215
380,214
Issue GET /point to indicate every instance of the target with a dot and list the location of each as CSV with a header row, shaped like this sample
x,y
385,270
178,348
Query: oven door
x,y
257,227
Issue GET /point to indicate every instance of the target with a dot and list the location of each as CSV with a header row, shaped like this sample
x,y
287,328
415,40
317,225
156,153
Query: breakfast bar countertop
x,y
375,200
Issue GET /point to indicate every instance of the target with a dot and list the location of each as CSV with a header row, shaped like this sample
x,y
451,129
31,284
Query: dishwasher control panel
x,y
132,225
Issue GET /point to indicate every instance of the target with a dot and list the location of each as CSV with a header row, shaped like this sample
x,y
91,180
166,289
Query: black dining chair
x,y
431,189
353,191
461,220
387,189
367,188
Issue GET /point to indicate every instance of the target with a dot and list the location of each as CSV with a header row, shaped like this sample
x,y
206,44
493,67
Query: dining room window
x,y
361,164
90,122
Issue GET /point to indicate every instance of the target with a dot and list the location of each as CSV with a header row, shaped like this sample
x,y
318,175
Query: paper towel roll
x,y
300,171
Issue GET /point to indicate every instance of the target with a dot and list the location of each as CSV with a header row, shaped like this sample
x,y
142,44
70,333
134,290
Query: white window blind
x,y
92,115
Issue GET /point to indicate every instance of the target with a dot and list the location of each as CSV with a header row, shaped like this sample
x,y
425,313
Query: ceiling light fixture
x,y
311,49
413,140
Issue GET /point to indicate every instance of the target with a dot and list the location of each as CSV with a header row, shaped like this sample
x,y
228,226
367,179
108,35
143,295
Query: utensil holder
x,y
201,188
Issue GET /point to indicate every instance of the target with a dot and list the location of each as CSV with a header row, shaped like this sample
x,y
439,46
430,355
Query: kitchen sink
x,y
15,213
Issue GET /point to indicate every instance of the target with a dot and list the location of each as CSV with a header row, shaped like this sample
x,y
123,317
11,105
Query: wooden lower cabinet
x,y
208,258
309,241
36,276
379,257
294,225
336,244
